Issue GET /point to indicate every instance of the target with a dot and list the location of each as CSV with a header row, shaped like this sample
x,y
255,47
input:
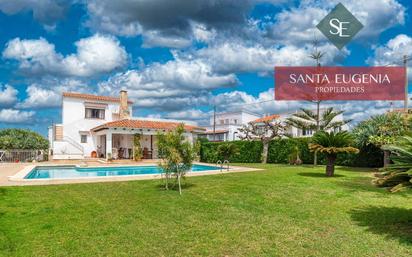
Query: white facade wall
x,y
230,122
295,132
244,118
76,124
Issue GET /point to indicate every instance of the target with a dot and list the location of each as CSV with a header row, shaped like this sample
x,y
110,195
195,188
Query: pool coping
x,y
20,179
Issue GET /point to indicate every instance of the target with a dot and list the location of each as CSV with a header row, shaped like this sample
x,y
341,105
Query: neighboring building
x,y
100,126
227,125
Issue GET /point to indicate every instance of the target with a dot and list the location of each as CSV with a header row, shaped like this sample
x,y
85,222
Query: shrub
x,y
280,150
294,157
398,175
248,151
227,151
22,139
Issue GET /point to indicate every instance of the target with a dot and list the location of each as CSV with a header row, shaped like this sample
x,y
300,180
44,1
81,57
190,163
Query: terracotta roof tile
x,y
218,131
93,97
267,118
145,124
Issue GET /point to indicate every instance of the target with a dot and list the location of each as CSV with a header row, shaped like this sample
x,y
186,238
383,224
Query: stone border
x,y
20,180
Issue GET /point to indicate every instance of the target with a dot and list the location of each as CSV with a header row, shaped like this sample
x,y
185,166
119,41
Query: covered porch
x,y
119,143
116,138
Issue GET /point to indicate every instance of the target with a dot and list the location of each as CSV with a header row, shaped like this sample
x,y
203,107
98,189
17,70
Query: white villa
x,y
101,126
227,125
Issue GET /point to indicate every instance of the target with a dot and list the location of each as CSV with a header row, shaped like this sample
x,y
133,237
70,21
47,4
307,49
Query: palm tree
x,y
307,119
227,150
381,130
331,144
397,176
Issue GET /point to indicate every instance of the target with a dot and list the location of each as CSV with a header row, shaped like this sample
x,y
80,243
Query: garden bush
x,y
280,149
22,139
248,151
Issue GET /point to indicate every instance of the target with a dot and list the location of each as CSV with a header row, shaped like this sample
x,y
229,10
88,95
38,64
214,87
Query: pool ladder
x,y
221,164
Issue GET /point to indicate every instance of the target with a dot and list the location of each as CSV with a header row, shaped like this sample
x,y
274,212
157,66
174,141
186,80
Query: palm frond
x,y
332,143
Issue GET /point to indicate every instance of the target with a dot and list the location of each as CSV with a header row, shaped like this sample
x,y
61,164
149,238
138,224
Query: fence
x,y
23,155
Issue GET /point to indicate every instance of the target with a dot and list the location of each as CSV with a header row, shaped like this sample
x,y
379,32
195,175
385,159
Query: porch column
x,y
109,145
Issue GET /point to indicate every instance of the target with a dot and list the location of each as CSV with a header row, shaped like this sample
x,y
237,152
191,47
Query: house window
x,y
222,122
227,121
235,121
83,139
94,113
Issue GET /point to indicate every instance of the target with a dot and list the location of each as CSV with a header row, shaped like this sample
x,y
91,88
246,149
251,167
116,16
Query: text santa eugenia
x,y
339,78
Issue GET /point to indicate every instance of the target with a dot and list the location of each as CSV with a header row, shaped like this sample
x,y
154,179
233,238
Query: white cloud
x,y
45,11
392,53
155,38
15,116
232,57
192,114
8,95
173,85
202,33
48,93
297,26
39,97
95,55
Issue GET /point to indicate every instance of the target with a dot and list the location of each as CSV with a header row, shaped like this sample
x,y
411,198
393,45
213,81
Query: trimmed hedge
x,y
249,151
279,150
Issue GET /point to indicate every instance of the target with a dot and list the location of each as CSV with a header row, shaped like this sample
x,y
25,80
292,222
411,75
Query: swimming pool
x,y
59,172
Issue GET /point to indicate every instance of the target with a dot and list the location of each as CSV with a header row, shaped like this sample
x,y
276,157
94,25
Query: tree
x,y
22,139
227,150
331,144
397,176
137,148
381,130
294,156
308,120
177,155
264,131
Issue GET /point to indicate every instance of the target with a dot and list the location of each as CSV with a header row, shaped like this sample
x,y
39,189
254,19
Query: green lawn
x,y
281,211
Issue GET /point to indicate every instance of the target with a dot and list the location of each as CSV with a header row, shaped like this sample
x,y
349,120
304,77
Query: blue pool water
x,y
57,172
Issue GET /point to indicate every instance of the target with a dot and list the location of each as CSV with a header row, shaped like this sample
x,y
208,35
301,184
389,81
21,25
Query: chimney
x,y
124,108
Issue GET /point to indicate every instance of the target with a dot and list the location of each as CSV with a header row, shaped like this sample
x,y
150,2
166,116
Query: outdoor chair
x,y
115,153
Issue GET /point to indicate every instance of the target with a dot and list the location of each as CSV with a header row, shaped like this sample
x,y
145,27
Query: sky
x,y
178,59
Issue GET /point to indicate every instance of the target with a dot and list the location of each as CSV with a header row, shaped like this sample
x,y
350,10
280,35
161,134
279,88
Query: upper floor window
x,y
235,121
306,132
94,113
222,122
227,121
83,138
